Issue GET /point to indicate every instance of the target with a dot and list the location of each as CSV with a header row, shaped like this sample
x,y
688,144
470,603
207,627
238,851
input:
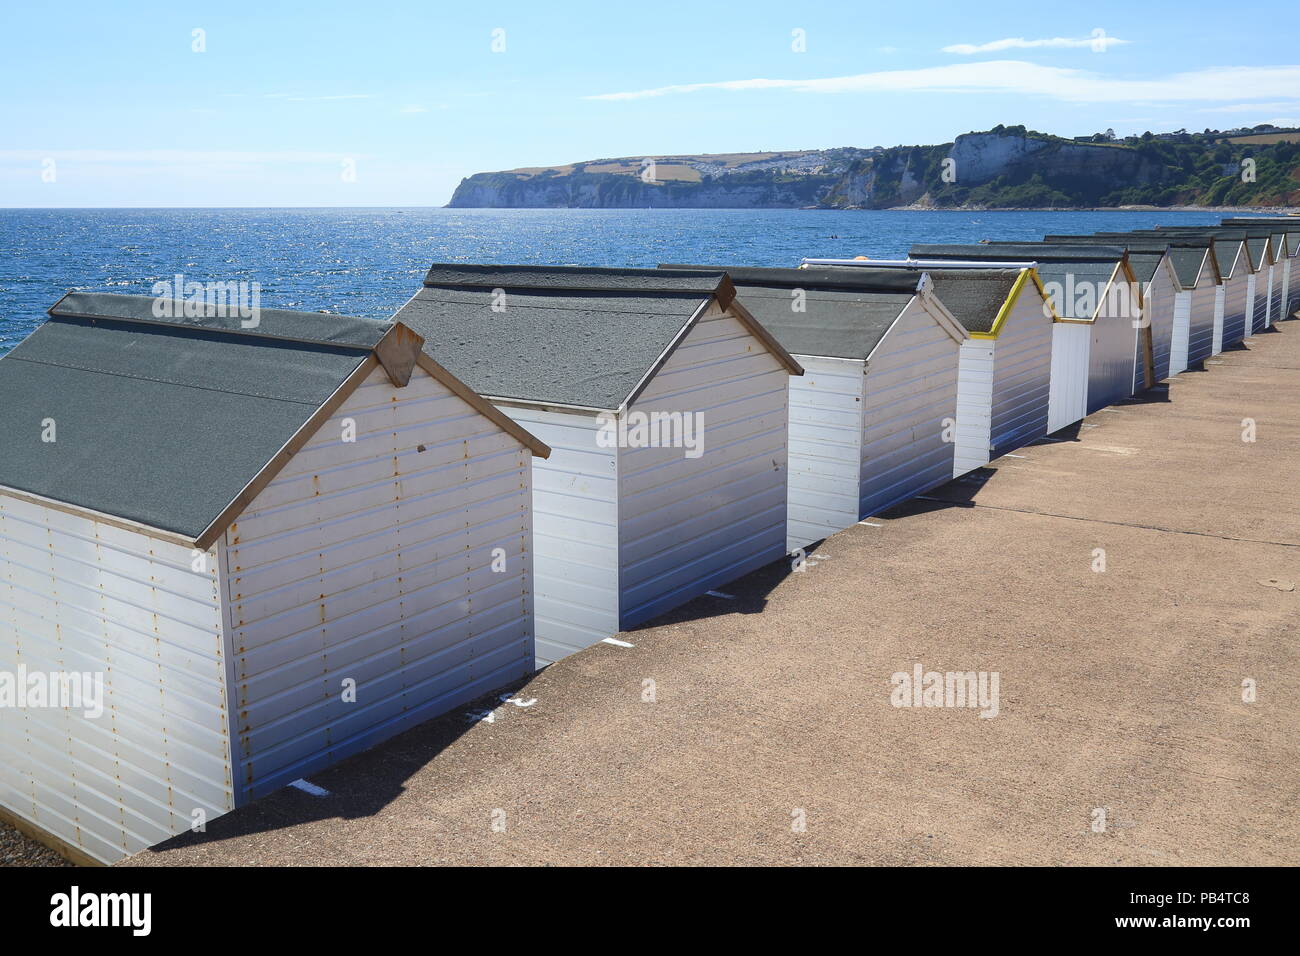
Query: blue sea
x,y
368,262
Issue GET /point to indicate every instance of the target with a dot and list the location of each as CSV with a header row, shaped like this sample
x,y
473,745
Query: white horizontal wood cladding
x,y
1068,397
909,404
1220,316
1182,327
974,406
1158,303
1022,372
1286,295
575,532
1201,320
1112,353
688,524
1239,302
80,596
400,561
1264,300
825,448
625,533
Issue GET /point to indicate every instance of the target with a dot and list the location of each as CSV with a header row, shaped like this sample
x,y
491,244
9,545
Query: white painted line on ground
x,y
307,786
1026,457
870,524
616,642
1091,426
721,594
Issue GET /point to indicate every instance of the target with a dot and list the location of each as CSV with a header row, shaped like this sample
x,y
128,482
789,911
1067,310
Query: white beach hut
x,y
1239,280
871,420
1286,249
269,547
1198,304
1154,272
1087,285
1004,382
666,405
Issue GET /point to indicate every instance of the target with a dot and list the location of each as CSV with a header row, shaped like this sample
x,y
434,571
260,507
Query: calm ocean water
x,y
367,262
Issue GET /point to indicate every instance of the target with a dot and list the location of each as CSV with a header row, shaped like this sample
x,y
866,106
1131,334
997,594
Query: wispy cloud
x,y
414,109
1019,77
1098,42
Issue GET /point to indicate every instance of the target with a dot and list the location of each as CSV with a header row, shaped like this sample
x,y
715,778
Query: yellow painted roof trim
x,y
1009,305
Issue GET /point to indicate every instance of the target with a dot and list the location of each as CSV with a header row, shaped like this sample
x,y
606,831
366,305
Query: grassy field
x,y
1267,139
674,168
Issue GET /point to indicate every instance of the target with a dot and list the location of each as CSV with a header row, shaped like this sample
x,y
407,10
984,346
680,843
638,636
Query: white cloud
x,y
414,109
1098,42
1019,77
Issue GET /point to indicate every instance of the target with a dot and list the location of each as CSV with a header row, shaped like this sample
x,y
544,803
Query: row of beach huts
x,y
234,551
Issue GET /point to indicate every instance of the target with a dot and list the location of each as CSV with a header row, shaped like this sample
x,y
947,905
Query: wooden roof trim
x,y
763,335
281,458
659,362
480,404
729,304
933,306
99,517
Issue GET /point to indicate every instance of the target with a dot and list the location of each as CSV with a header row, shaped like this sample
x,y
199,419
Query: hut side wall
x,y
825,448
1264,299
1022,372
575,532
689,524
1068,394
1238,303
974,406
1220,315
1157,308
1286,295
1201,322
1181,330
84,597
1111,355
400,561
909,403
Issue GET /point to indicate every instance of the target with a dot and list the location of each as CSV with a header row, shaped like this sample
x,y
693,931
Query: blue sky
x,y
391,103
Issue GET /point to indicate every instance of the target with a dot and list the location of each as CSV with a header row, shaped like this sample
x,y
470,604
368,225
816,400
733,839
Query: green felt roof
x,y
566,336
164,421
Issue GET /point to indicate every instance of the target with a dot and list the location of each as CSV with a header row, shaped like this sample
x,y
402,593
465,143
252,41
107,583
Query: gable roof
x,y
1186,253
1255,242
569,335
846,312
1145,252
168,422
979,298
1061,265
1285,226
1024,251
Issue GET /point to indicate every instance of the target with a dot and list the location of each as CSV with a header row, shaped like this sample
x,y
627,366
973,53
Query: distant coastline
x,y
1003,168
